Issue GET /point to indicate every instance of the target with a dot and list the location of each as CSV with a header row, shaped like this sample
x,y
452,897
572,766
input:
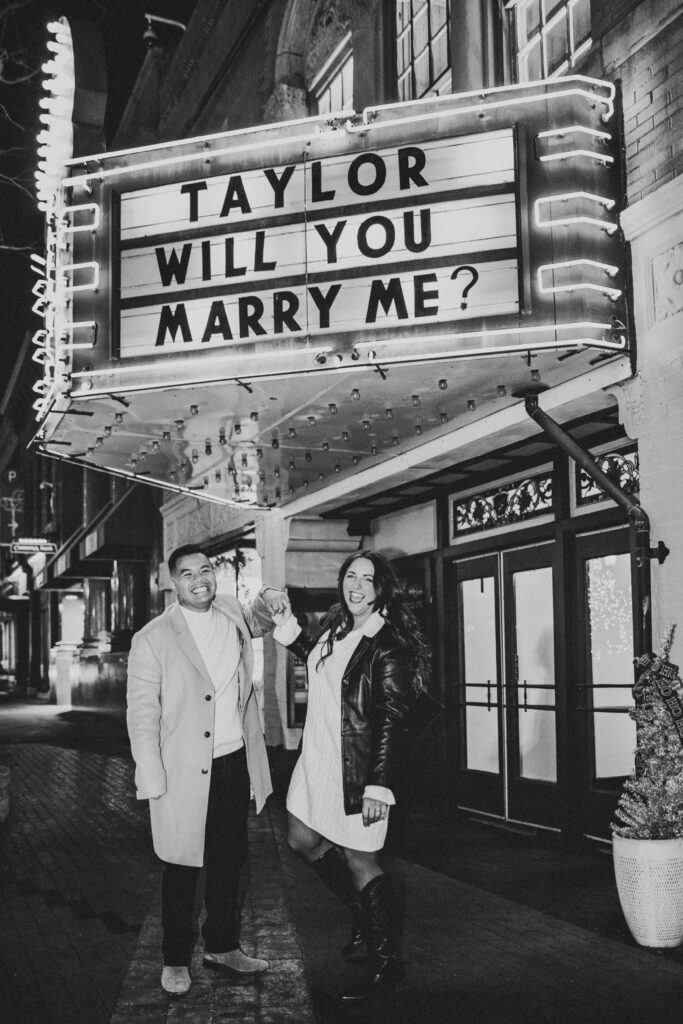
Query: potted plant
x,y
647,829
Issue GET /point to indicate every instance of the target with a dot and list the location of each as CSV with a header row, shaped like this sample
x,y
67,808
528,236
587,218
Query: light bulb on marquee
x,y
60,85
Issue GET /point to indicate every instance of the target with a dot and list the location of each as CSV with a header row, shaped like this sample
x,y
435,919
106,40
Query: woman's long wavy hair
x,y
392,602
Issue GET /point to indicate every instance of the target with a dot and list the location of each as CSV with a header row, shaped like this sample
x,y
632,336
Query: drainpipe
x,y
638,518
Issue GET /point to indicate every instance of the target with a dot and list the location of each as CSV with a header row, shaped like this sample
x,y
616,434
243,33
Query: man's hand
x,y
374,810
277,603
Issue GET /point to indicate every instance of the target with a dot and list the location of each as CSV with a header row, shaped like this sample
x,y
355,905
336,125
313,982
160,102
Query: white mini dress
x,y
316,790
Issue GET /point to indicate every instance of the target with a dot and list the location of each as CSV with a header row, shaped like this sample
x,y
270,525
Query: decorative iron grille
x,y
511,503
621,467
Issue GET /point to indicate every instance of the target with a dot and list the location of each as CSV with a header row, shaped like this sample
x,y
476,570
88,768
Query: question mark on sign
x,y
475,277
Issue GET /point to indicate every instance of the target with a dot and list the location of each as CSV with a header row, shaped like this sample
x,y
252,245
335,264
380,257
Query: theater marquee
x,y
220,295
402,235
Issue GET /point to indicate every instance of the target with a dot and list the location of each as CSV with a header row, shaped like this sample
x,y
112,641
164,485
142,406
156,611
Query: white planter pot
x,y
649,876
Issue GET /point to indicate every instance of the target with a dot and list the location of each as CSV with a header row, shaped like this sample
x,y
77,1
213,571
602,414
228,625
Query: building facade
x,y
536,578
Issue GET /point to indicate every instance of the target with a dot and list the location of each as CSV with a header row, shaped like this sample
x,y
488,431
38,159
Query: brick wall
x,y
605,14
655,414
641,46
643,49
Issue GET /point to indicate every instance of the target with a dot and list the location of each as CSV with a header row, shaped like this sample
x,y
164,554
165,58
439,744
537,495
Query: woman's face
x,y
358,589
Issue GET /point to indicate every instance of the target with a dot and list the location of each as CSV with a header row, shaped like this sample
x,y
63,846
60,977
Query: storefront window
x,y
238,573
550,36
423,48
310,608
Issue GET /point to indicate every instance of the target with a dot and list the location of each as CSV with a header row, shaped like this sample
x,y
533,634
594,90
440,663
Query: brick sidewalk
x,y
278,997
80,931
76,875
474,957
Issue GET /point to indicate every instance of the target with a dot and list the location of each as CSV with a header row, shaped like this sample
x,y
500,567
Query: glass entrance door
x,y
475,592
505,658
604,731
530,691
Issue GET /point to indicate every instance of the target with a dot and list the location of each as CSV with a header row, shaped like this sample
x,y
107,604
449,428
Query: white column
x,y
652,404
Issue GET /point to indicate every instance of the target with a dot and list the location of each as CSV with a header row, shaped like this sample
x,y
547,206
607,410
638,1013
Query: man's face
x,y
195,582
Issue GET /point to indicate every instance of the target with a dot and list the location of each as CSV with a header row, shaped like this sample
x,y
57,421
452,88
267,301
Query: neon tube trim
x,y
610,270
608,100
607,225
501,350
366,125
569,154
521,345
88,287
63,228
201,361
561,132
318,119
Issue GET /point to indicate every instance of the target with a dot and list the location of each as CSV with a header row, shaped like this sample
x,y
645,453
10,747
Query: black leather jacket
x,y
377,694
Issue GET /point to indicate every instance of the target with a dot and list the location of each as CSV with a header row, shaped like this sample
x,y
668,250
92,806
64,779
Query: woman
x,y
364,674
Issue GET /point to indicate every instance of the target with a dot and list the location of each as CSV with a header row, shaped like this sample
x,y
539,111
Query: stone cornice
x,y
648,213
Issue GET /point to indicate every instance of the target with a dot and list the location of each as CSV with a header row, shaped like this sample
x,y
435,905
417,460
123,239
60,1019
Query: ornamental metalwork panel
x,y
621,467
504,505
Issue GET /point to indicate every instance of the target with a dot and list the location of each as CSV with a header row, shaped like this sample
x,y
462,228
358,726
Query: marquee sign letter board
x,y
461,225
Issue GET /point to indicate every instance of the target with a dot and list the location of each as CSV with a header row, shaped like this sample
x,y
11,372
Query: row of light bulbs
x,y
246,480
55,139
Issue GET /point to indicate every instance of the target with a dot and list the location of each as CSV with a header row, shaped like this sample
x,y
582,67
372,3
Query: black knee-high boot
x,y
333,871
385,972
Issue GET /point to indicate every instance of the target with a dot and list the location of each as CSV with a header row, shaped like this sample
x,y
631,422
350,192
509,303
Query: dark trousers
x,y
225,851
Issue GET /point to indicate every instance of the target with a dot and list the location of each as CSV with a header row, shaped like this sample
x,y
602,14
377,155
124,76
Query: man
x,y
197,743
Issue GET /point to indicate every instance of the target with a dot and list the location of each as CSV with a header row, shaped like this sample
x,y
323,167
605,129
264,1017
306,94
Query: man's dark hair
x,y
184,549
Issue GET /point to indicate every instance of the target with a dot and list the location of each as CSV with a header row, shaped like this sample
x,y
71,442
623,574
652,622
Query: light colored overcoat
x,y
170,718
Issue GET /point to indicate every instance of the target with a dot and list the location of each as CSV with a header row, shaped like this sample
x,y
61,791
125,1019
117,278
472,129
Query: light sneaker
x,y
236,962
176,980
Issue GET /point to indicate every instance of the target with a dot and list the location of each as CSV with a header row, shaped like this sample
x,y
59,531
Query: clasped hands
x,y
277,603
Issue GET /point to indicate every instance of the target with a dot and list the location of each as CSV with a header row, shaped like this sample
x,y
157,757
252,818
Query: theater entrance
x,y
540,655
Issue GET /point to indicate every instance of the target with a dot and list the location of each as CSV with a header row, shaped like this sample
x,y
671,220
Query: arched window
x,y
332,87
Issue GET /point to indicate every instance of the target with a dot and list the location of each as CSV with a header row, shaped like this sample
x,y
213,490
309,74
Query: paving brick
x,y
80,932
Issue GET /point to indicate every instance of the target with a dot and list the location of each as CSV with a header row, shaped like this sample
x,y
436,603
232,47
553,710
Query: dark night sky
x,y
23,36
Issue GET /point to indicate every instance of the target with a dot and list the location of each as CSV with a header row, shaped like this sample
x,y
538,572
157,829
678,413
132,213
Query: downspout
x,y
638,518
